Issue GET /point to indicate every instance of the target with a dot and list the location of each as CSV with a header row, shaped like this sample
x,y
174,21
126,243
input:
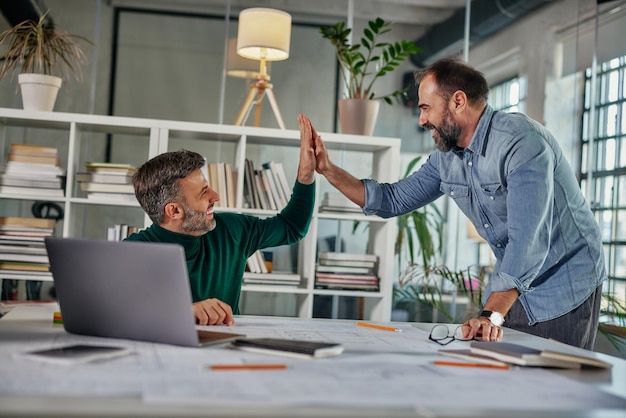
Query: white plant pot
x,y
39,91
358,116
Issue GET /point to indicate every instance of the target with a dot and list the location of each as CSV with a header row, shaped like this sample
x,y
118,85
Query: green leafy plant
x,y
421,230
356,61
613,322
38,47
429,284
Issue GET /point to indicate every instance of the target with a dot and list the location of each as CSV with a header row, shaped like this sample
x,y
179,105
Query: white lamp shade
x,y
238,66
264,33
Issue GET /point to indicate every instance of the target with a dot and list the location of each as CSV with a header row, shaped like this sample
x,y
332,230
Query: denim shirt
x,y
516,187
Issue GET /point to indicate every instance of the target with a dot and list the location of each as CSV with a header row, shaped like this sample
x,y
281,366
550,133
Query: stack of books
x,y
32,170
223,179
257,272
119,232
275,279
106,181
337,202
256,263
267,187
22,247
346,271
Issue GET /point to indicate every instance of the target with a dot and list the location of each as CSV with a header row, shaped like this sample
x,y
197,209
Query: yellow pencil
x,y
480,365
248,366
378,327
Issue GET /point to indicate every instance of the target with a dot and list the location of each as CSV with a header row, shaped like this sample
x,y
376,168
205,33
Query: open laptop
x,y
132,290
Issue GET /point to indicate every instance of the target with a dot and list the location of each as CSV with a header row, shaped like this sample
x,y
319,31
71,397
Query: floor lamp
x,y
263,35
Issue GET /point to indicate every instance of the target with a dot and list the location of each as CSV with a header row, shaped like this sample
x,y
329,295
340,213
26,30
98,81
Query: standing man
x,y
173,191
507,173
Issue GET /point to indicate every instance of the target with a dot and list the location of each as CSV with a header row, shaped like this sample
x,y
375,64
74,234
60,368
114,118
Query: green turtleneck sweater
x,y
216,260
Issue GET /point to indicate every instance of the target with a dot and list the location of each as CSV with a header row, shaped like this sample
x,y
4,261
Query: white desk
x,y
381,374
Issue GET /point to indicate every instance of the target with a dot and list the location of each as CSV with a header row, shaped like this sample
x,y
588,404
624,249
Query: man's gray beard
x,y
196,221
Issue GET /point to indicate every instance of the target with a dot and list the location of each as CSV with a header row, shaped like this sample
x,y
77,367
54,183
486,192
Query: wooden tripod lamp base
x,y
259,89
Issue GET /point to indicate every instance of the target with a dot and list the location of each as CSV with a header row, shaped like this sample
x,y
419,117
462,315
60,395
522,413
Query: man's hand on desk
x,y
213,312
481,328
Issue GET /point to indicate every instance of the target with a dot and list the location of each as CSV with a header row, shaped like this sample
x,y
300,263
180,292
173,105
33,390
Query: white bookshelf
x,y
81,138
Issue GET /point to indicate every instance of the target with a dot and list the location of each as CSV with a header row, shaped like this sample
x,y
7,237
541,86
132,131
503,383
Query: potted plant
x,y
42,54
362,64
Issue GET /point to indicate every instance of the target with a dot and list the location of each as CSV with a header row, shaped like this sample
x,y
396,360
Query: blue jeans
x,y
577,327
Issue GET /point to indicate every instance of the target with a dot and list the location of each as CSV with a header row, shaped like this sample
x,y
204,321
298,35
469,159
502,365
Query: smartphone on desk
x,y
297,348
77,353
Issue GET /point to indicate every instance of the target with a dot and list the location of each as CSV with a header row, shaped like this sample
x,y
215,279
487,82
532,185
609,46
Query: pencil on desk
x,y
479,365
378,327
247,366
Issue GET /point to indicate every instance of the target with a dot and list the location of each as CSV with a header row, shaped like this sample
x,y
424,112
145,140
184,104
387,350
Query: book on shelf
x,y
107,188
250,182
348,263
26,149
282,178
527,356
221,184
273,189
323,268
346,278
348,286
337,256
256,263
119,232
28,222
32,191
347,281
104,167
267,192
20,169
337,202
115,177
231,185
25,248
33,154
122,197
35,159
263,200
277,176
37,182
24,266
31,258
274,278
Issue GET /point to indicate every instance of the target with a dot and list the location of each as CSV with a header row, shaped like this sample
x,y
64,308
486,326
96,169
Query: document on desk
x,y
352,337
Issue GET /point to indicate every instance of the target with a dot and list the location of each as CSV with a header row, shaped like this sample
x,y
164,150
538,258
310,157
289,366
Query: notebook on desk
x,y
132,290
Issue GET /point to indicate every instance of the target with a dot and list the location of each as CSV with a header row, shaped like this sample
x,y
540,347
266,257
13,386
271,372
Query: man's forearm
x,y
501,301
346,183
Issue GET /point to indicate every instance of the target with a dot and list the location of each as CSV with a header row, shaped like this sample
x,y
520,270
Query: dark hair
x,y
451,75
156,181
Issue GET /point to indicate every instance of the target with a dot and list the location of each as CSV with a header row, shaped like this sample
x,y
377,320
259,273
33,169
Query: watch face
x,y
496,318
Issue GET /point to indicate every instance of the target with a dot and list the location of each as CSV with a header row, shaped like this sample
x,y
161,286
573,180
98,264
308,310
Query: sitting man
x,y
172,189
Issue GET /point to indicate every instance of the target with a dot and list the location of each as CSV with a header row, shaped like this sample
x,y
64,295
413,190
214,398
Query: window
x,y
508,96
603,164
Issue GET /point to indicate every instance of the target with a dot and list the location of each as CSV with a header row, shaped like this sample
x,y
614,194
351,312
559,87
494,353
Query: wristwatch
x,y
496,318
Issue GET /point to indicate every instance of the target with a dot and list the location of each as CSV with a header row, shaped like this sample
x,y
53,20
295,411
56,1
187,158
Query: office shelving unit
x,y
81,138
